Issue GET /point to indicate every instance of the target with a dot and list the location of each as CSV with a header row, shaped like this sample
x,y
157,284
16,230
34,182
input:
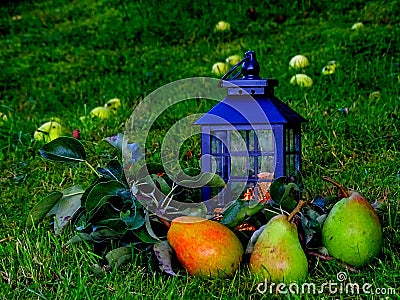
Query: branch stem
x,y
340,187
296,209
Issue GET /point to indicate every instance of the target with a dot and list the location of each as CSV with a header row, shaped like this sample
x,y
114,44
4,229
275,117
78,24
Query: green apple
x,y
330,68
113,104
357,26
299,62
302,80
3,118
100,112
220,68
233,59
222,26
48,131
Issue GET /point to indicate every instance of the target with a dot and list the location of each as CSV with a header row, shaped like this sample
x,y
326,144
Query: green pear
x,y
352,231
278,255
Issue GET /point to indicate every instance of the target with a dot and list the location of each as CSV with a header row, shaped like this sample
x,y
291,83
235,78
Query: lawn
x,y
61,59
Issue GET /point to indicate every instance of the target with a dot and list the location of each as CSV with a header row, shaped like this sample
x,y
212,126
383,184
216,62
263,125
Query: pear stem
x,y
164,221
340,187
296,209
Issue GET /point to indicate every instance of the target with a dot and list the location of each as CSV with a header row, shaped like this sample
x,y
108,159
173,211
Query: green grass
x,y
61,59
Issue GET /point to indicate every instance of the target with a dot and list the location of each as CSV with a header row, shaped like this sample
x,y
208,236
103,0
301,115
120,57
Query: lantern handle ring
x,y
233,69
250,68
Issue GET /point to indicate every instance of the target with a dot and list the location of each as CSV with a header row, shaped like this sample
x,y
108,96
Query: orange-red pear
x,y
205,247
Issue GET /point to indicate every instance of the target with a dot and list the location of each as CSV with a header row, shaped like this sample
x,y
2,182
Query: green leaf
x,y
312,221
253,239
103,234
144,236
116,225
68,205
380,207
80,237
119,256
240,210
277,189
202,179
216,181
163,251
112,171
95,182
200,210
297,178
159,182
132,222
64,149
282,192
289,201
190,172
99,191
148,226
308,230
102,209
42,208
116,141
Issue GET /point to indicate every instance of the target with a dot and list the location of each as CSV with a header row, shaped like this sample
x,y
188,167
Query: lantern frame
x,y
270,130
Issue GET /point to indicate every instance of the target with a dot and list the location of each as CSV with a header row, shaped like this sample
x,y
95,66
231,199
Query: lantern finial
x,y
250,67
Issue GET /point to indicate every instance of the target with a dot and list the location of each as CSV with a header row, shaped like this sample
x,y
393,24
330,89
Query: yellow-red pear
x,y
278,255
205,247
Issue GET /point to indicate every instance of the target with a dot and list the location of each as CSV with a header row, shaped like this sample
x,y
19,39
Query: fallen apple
x,y
233,59
220,68
302,80
100,112
48,131
299,62
222,26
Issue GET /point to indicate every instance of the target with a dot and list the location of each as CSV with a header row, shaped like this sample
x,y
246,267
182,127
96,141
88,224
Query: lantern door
x,y
246,157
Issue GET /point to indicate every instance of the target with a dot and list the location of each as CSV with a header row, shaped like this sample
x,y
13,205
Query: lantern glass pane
x,y
287,165
241,141
250,140
290,142
219,165
266,164
239,166
238,189
253,170
218,139
292,153
256,191
292,163
265,139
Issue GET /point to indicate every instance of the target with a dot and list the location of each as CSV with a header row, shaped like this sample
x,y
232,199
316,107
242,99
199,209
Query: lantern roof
x,y
250,100
259,110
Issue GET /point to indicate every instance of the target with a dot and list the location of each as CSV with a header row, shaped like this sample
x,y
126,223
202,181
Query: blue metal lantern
x,y
250,137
